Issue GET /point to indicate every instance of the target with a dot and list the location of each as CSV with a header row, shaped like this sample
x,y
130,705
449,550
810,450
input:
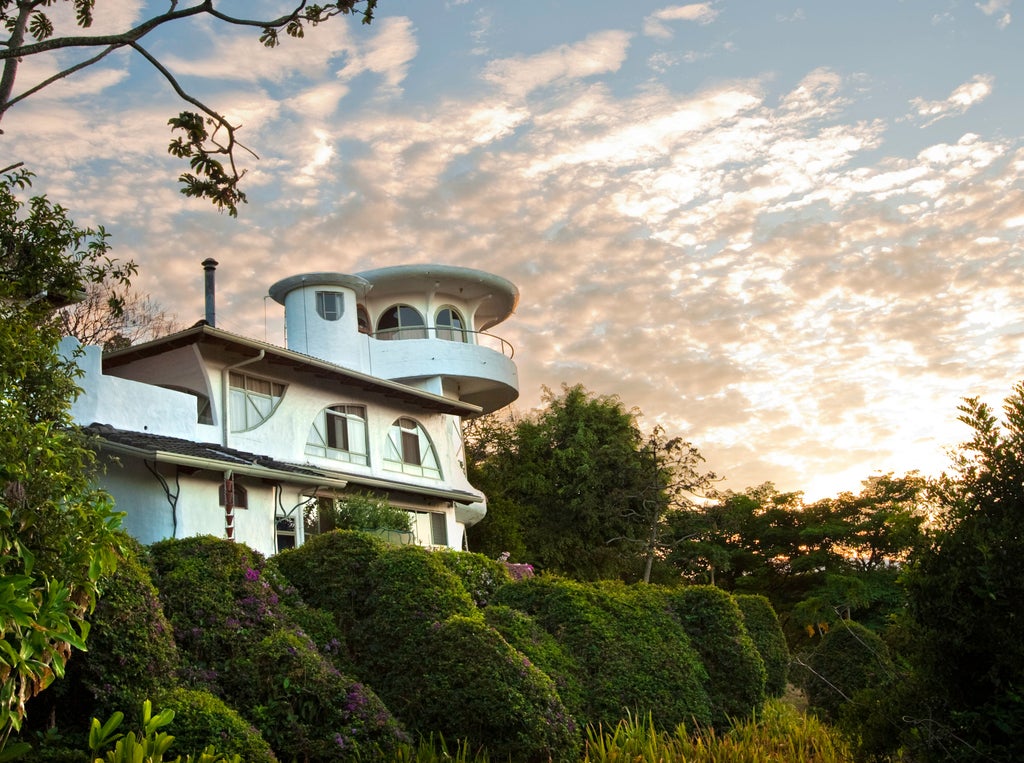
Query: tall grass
x,y
778,734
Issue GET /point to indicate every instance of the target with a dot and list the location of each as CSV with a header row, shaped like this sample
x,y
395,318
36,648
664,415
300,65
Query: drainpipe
x,y
225,380
229,506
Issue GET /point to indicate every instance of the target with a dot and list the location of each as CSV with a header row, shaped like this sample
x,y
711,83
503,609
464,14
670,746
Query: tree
x,y
577,486
57,531
113,318
205,138
965,590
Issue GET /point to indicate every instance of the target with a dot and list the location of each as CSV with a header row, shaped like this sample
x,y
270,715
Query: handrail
x,y
444,334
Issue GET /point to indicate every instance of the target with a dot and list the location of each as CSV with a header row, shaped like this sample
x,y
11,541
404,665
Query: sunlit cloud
x,y
998,8
958,102
655,24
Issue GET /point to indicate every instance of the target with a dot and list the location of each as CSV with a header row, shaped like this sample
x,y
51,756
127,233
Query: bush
x,y
201,720
850,658
633,655
132,654
526,635
763,626
478,688
332,572
481,576
736,672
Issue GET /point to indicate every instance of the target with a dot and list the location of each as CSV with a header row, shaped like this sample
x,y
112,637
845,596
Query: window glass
x,y
401,322
330,305
409,450
285,533
449,325
438,529
252,401
339,432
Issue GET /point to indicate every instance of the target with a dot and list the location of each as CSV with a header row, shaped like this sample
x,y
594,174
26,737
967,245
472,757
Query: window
x,y
253,400
410,451
339,432
401,322
363,319
431,528
438,529
330,305
449,325
319,516
285,532
239,494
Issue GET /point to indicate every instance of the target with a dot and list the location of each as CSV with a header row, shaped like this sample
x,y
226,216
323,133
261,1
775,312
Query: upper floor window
x,y
253,400
339,432
449,325
410,450
363,320
401,322
330,305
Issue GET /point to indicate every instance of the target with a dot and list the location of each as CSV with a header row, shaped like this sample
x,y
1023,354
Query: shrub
x,y
478,688
132,654
736,672
201,720
525,634
332,572
633,655
765,631
850,658
481,576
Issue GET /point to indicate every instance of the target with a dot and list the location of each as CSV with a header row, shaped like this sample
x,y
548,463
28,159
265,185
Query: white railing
x,y
447,334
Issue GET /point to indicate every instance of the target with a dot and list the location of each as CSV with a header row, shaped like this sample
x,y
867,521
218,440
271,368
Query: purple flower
x,y
252,575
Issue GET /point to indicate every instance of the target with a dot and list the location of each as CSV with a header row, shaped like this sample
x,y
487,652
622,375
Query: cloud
x,y
959,101
599,53
1000,8
655,26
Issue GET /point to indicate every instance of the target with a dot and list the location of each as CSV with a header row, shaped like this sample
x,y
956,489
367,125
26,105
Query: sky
x,y
789,232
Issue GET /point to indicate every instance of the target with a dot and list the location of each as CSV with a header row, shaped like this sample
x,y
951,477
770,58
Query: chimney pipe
x,y
210,265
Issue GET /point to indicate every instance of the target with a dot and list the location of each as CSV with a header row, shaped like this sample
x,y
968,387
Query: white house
x,y
208,432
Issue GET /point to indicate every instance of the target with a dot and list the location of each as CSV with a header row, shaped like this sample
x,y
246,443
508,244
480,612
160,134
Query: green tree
x,y
577,487
57,531
965,590
205,138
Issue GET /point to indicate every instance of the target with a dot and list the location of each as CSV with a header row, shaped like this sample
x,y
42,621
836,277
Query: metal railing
x,y
447,334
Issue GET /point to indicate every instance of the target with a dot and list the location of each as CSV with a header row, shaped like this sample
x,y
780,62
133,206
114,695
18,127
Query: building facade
x,y
208,432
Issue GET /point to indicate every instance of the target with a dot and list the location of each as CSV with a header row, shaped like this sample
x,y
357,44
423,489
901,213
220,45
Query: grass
x,y
778,734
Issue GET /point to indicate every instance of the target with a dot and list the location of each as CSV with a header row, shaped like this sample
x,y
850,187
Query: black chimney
x,y
210,265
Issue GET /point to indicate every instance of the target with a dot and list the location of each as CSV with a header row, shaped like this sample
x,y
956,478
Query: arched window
x,y
330,305
239,495
450,325
409,450
339,432
401,322
363,320
252,400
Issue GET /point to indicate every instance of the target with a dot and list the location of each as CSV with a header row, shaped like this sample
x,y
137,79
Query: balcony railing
x,y
444,333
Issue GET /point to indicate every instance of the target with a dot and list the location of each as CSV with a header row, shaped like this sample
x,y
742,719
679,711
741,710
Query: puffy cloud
x,y
958,102
701,13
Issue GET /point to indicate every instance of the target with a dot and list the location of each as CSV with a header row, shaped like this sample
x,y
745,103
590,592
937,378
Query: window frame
x,y
453,331
391,325
322,429
399,448
321,305
246,405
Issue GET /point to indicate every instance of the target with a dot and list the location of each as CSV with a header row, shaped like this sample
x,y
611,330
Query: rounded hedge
x,y
736,672
633,655
478,688
850,658
481,576
201,719
766,632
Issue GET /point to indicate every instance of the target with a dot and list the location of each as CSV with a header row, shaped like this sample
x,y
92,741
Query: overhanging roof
x,y
274,355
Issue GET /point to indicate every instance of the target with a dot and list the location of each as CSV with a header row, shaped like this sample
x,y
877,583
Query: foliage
x,y
132,654
480,575
57,531
205,138
850,658
238,641
577,486
356,511
736,672
150,745
543,650
632,653
965,590
331,572
778,734
202,720
516,710
762,625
